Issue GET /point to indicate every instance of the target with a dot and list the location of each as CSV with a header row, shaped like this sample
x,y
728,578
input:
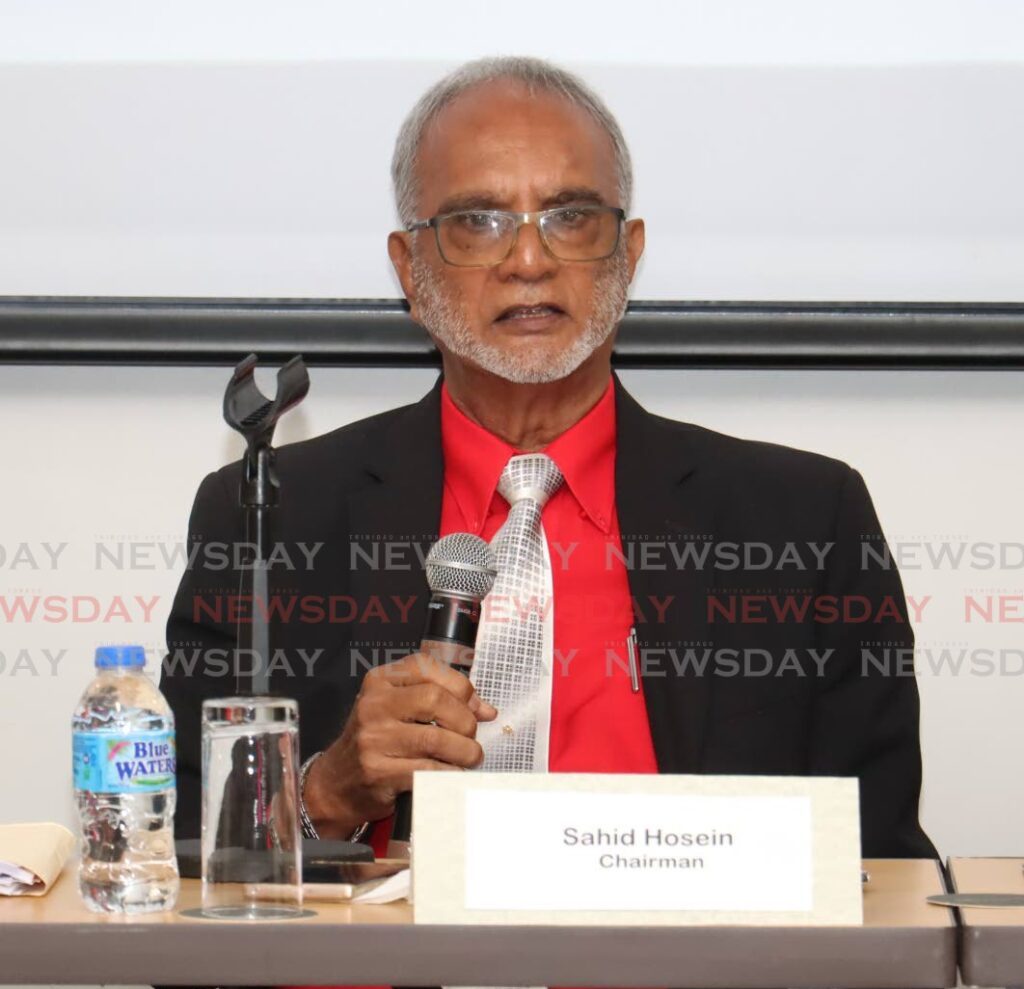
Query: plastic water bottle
x,y
123,757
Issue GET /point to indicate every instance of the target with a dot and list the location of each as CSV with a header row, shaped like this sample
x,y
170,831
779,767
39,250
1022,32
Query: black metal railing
x,y
379,333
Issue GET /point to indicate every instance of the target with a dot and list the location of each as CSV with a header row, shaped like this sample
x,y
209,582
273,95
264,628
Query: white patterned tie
x,y
512,665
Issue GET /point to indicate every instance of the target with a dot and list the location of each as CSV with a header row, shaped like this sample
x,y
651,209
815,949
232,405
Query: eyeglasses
x,y
480,238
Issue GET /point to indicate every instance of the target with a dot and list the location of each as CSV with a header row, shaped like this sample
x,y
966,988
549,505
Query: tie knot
x,y
530,475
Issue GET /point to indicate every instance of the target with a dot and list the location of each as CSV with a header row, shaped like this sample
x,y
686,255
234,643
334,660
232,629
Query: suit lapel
x,y
400,507
657,506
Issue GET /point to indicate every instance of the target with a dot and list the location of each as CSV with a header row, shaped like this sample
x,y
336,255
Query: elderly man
x,y
700,589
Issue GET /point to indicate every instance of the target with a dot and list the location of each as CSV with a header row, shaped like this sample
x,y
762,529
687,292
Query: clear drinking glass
x,y
251,838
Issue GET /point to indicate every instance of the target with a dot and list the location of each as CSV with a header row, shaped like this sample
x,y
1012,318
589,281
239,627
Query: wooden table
x,y
991,940
903,942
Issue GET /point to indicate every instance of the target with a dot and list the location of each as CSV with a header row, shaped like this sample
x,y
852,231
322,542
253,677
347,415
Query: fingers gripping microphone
x,y
460,573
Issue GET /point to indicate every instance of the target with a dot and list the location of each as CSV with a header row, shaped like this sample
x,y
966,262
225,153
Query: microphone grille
x,y
461,563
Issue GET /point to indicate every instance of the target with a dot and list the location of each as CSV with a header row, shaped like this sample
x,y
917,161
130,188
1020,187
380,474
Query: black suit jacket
x,y
707,631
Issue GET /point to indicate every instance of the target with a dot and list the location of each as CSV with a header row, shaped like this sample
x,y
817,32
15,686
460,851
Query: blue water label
x,y
141,762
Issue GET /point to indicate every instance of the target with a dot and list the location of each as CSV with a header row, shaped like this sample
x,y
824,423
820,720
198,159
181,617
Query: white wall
x,y
115,455
784,150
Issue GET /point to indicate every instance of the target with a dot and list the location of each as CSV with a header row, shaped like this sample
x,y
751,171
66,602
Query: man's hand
x,y
416,713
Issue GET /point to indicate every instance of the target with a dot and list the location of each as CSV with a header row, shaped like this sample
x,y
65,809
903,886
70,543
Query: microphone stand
x,y
248,411
246,842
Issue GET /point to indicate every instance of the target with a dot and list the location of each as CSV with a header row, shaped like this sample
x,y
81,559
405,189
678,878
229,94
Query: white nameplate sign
x,y
510,848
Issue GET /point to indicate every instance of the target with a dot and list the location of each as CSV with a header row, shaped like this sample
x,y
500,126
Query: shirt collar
x,y
585,453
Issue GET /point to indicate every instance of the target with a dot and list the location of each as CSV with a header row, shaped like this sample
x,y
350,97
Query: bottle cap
x,y
132,656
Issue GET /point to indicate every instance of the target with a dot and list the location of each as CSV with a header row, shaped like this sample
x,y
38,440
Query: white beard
x,y
444,319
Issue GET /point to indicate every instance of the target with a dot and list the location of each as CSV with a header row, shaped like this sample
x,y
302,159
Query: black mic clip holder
x,y
248,411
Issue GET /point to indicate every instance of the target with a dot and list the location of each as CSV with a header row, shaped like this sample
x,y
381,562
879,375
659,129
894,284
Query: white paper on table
x,y
15,880
396,887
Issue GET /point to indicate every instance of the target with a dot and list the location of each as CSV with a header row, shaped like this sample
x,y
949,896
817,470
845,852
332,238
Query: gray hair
x,y
536,75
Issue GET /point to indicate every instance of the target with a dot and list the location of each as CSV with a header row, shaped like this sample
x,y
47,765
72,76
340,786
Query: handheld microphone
x,y
460,573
